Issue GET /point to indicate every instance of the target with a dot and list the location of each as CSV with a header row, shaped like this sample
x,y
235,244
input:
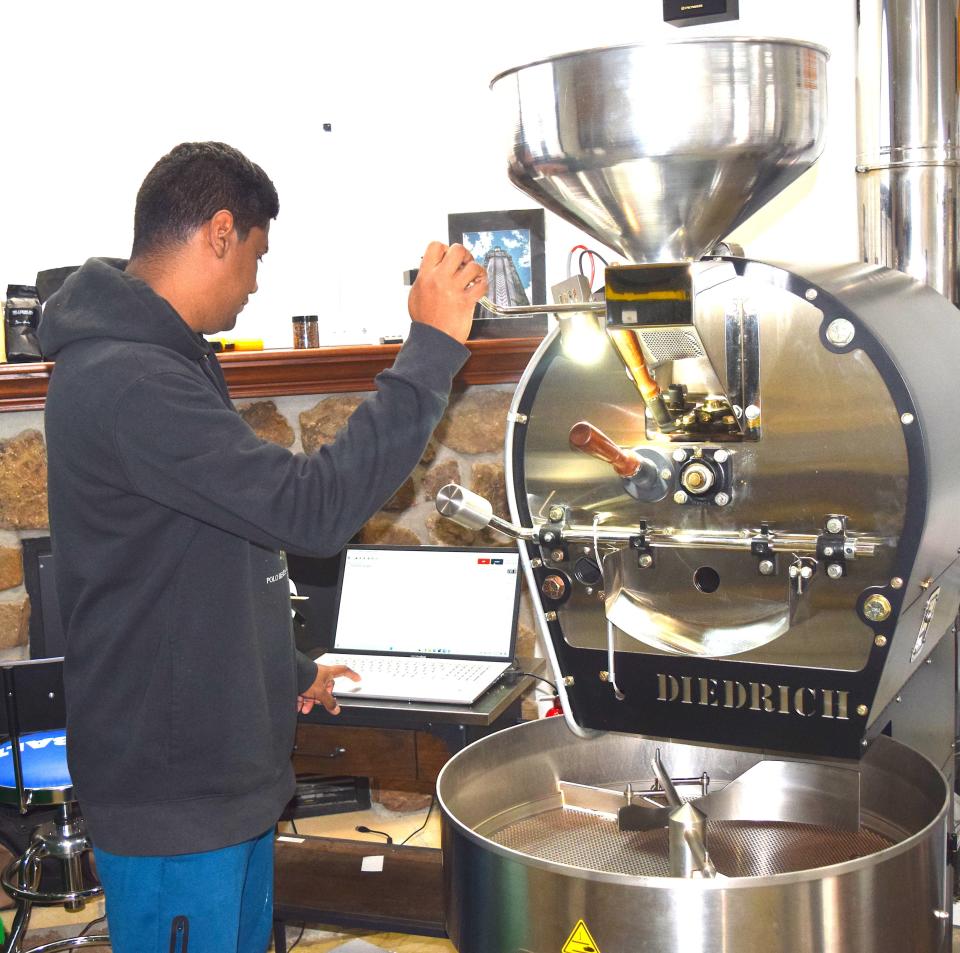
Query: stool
x,y
33,773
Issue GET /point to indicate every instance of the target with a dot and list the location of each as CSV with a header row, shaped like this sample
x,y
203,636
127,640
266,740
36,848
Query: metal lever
x,y
471,511
644,475
599,307
594,442
664,780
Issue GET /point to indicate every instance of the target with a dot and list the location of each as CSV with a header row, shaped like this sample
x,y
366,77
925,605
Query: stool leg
x,y
73,877
18,931
69,826
28,880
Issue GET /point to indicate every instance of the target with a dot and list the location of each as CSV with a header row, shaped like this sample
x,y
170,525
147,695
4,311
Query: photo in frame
x,y
509,244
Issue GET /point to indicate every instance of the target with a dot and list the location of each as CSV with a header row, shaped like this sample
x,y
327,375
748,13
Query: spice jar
x,y
306,331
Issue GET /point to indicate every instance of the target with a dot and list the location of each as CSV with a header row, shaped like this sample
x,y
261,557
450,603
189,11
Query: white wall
x,y
102,89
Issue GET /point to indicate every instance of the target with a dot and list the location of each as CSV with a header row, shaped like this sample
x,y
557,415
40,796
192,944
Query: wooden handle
x,y
628,347
588,439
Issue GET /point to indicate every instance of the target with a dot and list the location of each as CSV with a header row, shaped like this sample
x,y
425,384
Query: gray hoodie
x,y
169,518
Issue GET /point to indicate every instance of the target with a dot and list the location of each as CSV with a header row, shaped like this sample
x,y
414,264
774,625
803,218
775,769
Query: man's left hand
x,y
322,689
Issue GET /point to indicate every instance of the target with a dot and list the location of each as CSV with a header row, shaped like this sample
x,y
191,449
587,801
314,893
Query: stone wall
x,y
467,448
23,513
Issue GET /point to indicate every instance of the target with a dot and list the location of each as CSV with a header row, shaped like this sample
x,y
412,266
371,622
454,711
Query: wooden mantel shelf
x,y
324,370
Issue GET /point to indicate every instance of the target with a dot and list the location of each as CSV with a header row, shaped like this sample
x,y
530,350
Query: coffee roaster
x,y
735,488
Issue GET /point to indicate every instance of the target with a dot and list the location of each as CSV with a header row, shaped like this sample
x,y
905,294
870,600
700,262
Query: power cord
x,y
363,829
92,924
539,678
593,255
298,939
433,800
556,708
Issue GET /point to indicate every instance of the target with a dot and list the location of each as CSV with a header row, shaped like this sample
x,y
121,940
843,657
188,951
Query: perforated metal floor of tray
x,y
737,848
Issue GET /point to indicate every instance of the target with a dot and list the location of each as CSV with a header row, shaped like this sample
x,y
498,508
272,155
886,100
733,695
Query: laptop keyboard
x,y
415,679
451,670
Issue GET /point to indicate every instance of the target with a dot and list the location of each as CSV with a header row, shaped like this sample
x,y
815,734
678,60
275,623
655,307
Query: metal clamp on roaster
x,y
834,547
761,548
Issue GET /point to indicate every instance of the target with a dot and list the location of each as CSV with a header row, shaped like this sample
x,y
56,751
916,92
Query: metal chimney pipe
x,y
907,149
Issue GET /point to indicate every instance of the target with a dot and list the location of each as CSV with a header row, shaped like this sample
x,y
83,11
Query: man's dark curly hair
x,y
189,185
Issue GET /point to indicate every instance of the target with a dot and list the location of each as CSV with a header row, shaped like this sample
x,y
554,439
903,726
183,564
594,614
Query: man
x,y
169,518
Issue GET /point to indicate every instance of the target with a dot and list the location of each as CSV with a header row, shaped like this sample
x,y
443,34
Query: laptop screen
x,y
428,600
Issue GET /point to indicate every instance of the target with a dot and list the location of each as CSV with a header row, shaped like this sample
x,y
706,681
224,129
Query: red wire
x,y
593,272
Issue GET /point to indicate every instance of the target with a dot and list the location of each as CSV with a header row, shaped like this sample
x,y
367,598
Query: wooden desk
x,y
405,744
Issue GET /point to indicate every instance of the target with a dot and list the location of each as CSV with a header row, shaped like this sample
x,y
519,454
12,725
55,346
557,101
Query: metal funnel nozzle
x,y
660,151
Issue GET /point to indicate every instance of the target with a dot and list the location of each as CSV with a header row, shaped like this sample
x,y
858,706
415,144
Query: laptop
x,y
424,623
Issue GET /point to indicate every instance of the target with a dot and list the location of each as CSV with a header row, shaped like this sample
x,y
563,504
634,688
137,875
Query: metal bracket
x,y
761,547
834,547
640,543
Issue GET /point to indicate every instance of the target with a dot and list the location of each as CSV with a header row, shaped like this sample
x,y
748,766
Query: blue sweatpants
x,y
217,901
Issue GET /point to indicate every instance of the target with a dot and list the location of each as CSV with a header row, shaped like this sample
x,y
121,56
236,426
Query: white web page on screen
x,y
425,601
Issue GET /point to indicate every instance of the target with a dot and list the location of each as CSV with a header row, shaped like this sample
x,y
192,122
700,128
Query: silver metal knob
x,y
464,508
473,512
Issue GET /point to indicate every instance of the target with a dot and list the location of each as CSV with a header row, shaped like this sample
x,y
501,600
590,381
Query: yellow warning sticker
x,y
580,940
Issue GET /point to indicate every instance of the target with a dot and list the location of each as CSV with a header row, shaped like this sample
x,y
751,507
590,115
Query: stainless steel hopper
x,y
660,151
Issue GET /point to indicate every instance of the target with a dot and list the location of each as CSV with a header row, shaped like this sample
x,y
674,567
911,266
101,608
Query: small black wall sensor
x,y
690,12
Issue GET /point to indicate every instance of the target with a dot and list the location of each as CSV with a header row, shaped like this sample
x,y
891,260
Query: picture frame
x,y
510,244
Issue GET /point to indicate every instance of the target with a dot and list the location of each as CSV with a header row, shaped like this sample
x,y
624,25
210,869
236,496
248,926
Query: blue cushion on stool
x,y
43,759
